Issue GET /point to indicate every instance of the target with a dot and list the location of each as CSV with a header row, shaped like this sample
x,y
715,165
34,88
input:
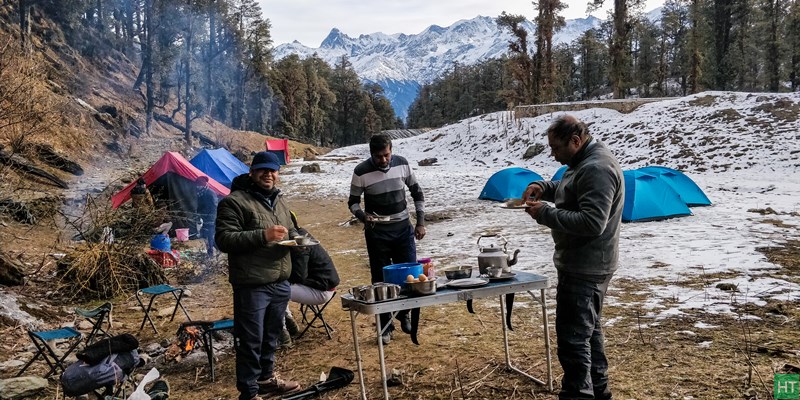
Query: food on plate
x,y
422,278
410,278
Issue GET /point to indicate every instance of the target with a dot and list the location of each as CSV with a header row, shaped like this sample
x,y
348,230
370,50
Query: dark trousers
x,y
385,251
579,304
258,321
208,233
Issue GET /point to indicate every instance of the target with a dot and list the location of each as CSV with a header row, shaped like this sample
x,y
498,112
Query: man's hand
x,y
419,232
535,207
275,233
533,192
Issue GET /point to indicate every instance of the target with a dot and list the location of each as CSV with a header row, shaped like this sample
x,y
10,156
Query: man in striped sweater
x,y
382,180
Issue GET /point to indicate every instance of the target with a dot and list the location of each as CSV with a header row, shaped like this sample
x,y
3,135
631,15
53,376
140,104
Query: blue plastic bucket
x,y
161,243
397,273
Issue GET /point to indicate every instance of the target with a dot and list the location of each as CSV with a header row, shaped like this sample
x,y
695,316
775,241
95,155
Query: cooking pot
x,y
495,255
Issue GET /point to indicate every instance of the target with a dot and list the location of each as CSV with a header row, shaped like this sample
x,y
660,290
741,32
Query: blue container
x,y
161,243
397,273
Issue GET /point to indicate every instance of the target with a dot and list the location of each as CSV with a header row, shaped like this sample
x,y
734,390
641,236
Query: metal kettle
x,y
493,256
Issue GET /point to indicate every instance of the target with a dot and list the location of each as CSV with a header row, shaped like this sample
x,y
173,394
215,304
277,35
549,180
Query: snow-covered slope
x,y
400,63
741,148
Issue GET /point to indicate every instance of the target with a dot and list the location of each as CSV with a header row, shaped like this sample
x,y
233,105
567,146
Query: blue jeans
x,y
257,324
385,251
579,304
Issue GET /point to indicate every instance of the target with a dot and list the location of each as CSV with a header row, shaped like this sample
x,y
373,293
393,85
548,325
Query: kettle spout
x,y
513,259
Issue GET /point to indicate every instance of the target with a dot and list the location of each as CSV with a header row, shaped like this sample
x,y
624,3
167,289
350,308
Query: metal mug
x,y
363,293
381,291
392,291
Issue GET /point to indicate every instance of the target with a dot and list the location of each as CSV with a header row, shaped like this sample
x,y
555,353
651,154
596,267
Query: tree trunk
x,y
147,63
212,37
100,20
187,136
24,23
619,40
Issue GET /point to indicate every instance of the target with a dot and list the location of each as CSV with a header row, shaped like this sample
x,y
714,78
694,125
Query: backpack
x,y
81,377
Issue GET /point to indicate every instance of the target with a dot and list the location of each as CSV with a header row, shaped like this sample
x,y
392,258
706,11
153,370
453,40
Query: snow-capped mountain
x,y
401,63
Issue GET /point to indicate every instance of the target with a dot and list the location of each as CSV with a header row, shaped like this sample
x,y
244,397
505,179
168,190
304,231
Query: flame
x,y
189,338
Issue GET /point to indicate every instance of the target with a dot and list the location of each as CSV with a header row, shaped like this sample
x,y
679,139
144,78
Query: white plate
x,y
292,243
510,207
467,283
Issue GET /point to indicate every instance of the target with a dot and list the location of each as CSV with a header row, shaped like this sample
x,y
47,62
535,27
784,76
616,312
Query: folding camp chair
x,y
207,329
43,348
155,291
315,312
97,316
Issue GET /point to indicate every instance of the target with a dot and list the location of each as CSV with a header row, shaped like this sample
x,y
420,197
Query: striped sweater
x,y
384,192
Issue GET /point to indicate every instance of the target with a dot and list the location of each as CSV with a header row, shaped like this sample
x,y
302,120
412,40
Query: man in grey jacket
x,y
585,224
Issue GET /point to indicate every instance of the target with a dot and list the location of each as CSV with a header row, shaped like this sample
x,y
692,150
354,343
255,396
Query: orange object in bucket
x,y
182,235
427,265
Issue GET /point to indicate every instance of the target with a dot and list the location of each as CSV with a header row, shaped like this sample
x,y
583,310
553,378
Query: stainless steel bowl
x,y
461,272
422,288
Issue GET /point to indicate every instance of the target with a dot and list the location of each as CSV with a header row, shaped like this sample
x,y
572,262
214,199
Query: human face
x,y
264,178
381,158
564,151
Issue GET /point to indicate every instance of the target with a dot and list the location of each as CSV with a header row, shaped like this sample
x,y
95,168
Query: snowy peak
x,y
401,61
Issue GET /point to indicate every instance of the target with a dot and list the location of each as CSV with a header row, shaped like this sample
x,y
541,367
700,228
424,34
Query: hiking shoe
x,y
291,326
285,341
277,386
159,390
386,338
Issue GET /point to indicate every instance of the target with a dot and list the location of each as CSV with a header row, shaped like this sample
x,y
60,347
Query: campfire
x,y
188,339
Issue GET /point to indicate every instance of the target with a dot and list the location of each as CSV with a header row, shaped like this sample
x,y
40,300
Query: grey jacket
x,y
586,220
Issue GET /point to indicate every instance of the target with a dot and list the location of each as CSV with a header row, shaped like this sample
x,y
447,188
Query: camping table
x,y
522,282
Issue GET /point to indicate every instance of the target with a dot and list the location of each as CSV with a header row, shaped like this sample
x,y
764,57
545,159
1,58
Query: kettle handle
x,y
493,235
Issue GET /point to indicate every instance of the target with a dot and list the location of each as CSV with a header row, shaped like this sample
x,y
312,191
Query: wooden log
x,y
48,155
11,271
21,164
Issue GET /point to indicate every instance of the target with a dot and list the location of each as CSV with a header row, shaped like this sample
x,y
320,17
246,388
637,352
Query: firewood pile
x,y
103,271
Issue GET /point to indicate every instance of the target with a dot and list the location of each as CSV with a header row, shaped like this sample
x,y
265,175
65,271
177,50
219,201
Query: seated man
x,y
313,279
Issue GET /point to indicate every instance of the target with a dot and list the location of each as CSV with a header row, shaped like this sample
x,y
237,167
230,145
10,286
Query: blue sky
x,y
309,21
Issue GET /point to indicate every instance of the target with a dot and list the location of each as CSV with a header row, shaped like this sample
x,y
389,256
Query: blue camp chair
x,y
97,317
207,329
155,291
42,340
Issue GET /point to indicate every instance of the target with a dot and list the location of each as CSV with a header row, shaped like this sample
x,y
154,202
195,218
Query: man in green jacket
x,y
250,223
585,224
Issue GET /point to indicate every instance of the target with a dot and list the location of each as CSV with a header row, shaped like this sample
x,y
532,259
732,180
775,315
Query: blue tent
x,y
690,193
648,198
559,173
508,183
220,165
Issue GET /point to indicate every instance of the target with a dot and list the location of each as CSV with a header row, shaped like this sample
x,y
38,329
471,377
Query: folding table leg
x,y
358,354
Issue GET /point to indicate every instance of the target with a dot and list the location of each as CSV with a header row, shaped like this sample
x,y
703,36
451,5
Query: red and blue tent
x,y
220,165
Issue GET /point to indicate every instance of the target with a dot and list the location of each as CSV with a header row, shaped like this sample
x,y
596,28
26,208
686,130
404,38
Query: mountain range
x,y
401,63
